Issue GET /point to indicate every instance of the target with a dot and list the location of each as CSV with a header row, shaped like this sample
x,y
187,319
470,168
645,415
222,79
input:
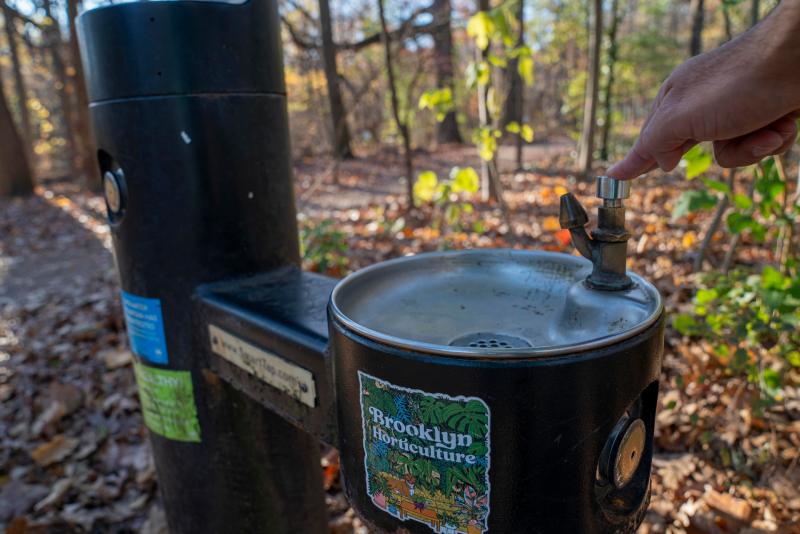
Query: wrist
x,y
778,35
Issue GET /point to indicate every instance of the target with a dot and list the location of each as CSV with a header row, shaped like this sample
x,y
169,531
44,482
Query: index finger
x,y
634,164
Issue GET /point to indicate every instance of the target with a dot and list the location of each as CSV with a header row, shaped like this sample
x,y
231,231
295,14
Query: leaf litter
x,y
74,454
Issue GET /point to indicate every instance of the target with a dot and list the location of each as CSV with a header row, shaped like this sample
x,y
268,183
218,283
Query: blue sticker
x,y
145,327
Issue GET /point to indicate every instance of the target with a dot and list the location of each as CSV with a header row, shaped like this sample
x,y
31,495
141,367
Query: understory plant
x,y
323,248
450,196
750,316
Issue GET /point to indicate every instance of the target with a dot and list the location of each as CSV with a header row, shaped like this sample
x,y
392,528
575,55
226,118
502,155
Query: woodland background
x,y
416,126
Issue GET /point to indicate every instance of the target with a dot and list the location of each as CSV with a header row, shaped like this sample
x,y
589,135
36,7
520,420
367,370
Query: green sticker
x,y
168,402
426,456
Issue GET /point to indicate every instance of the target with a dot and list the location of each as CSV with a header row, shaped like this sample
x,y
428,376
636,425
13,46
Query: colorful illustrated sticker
x,y
145,327
167,399
426,456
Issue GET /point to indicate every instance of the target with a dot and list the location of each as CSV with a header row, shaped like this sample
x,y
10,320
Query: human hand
x,y
744,96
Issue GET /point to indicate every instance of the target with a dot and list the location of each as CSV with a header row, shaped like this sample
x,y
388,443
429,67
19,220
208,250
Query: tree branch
x,y
404,30
300,41
24,18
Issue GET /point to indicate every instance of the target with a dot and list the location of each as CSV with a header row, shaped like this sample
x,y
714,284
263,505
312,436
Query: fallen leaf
x,y
54,450
116,358
57,493
738,509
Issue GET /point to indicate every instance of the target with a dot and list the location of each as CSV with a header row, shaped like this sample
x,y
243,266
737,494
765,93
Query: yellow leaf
x,y
560,190
426,185
688,239
551,224
526,133
525,69
480,28
465,179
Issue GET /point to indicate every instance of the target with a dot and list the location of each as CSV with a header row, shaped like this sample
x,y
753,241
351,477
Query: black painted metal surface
x,y
180,48
200,144
282,312
549,421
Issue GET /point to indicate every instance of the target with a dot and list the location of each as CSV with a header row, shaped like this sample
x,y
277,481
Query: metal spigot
x,y
607,247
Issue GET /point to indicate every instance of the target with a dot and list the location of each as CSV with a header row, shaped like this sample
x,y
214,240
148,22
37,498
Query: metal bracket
x,y
267,335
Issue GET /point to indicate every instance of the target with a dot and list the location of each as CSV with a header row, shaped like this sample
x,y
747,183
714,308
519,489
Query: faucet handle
x,y
572,214
609,188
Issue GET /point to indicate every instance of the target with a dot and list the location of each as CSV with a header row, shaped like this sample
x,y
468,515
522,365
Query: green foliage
x,y
746,316
524,131
324,248
440,101
692,201
749,317
450,197
494,32
485,138
697,161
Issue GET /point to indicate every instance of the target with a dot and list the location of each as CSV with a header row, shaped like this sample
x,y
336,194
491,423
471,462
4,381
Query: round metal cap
x,y
112,192
491,303
629,453
609,188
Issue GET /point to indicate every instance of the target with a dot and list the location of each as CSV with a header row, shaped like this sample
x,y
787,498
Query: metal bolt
x,y
112,192
629,453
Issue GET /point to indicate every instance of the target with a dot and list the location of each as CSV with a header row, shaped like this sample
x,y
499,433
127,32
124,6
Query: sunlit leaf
x,y
697,161
465,179
480,27
692,201
525,69
425,187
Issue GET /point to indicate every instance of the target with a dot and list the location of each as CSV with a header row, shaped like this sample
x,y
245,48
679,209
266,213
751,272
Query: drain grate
x,y
489,340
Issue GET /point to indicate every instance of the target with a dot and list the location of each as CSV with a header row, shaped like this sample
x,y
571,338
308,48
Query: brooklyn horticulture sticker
x,y
426,456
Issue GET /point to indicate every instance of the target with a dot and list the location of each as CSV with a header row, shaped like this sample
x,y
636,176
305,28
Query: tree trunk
x,y
513,108
341,132
698,22
446,130
53,43
608,90
491,187
585,154
15,174
755,12
19,82
401,125
84,140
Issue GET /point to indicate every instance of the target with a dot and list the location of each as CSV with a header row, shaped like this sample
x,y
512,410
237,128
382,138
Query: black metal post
x,y
189,109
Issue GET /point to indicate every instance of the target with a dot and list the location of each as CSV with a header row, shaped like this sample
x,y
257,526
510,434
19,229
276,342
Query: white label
x,y
271,368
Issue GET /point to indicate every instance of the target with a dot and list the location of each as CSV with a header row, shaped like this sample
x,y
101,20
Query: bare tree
x,y
586,149
15,174
698,23
447,130
608,90
341,132
19,80
53,42
402,126
84,139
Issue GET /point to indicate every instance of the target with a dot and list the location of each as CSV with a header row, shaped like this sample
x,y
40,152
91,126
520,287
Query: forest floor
x,y
73,451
